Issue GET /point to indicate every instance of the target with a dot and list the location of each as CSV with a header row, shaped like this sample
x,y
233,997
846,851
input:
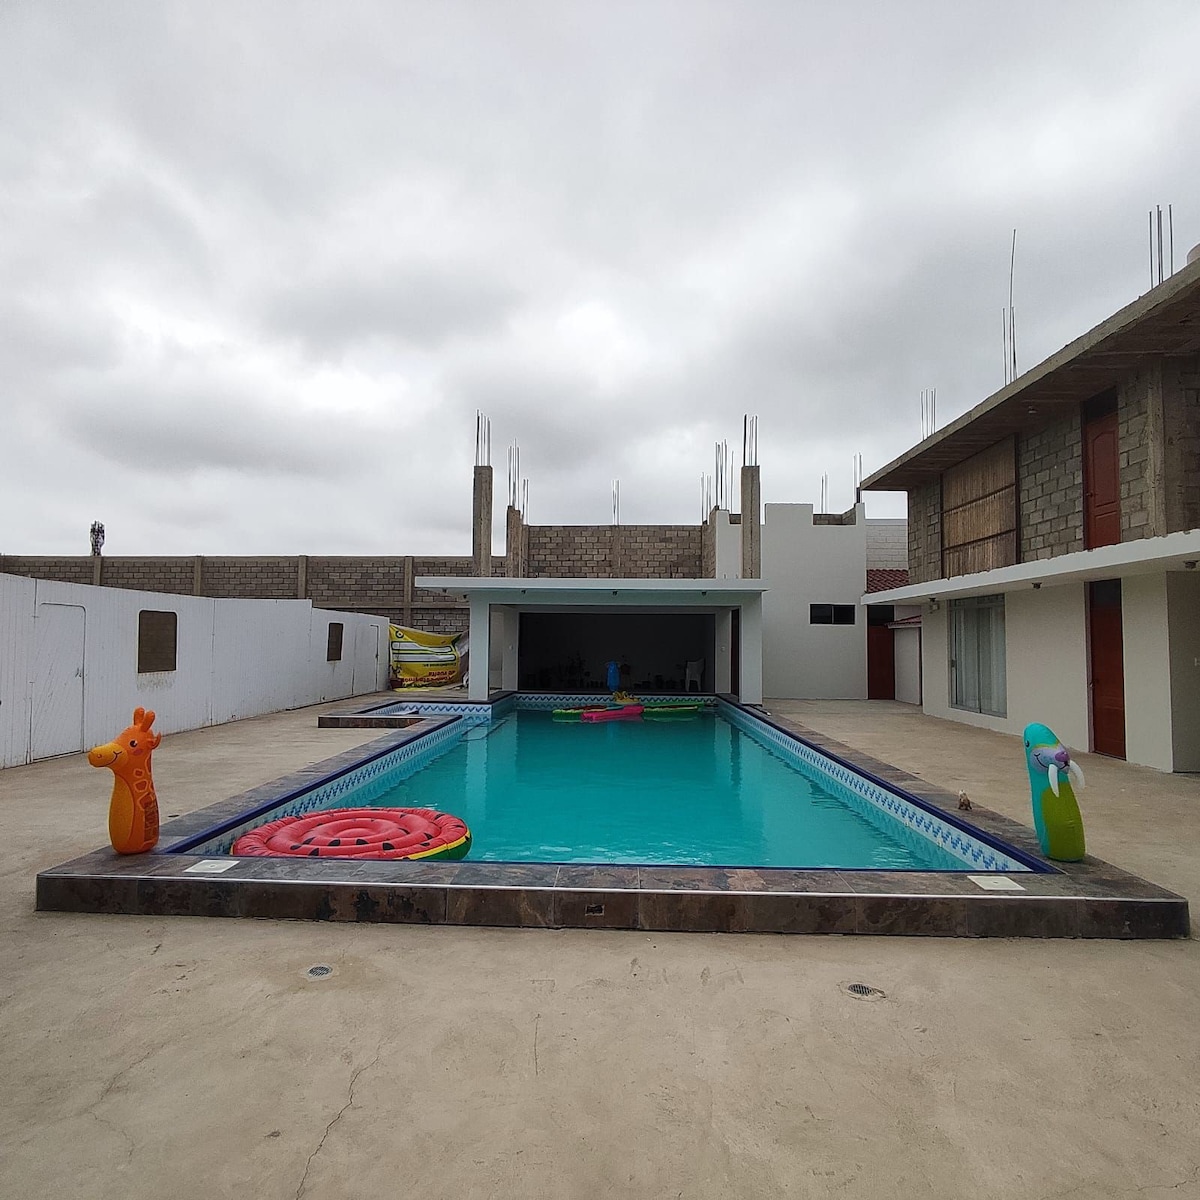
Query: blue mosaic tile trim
x,y
357,788
544,701
864,796
472,714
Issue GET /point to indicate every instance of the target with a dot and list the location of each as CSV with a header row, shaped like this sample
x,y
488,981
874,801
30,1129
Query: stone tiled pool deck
x,y
1090,899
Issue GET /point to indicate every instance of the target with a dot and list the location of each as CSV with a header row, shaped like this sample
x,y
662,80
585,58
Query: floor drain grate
x,y
319,971
864,991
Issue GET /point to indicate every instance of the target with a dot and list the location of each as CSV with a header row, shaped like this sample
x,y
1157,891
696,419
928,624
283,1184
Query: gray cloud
x,y
263,264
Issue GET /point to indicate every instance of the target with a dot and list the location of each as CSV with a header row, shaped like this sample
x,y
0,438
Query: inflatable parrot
x,y
1055,811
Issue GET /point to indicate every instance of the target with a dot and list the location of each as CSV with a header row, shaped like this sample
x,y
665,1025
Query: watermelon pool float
x,y
376,833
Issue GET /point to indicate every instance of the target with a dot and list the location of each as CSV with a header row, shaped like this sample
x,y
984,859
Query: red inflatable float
x,y
359,833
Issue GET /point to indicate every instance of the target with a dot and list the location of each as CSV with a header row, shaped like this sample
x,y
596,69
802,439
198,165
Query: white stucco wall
x,y
1183,615
805,564
1147,671
1045,660
907,655
234,658
727,543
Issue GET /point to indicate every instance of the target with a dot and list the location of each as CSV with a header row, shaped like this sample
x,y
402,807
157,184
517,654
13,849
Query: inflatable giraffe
x,y
133,812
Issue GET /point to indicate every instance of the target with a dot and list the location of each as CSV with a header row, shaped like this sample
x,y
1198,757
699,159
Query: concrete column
x,y
723,664
481,620
408,590
514,544
301,576
481,522
751,523
198,575
750,663
511,639
616,553
97,567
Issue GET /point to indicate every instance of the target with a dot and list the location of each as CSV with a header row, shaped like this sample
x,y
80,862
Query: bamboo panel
x,y
978,519
985,555
984,473
979,511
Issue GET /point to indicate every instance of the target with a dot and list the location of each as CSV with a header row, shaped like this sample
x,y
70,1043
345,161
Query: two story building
x,y
1054,537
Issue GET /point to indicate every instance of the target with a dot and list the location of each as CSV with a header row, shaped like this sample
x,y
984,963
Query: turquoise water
x,y
682,791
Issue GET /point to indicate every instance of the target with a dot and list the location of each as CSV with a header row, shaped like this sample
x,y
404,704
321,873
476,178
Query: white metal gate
x,y
366,659
56,716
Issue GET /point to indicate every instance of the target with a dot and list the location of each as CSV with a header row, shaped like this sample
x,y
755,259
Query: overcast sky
x,y
260,264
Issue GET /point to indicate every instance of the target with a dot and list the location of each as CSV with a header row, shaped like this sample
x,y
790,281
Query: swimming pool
x,y
723,788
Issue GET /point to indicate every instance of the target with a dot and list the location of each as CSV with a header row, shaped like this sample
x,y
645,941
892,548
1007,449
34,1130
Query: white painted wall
x,y
806,564
1147,659
907,654
727,544
234,658
1183,615
1045,660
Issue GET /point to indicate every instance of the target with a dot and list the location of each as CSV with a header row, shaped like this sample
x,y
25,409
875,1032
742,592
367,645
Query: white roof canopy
x,y
573,593
1145,556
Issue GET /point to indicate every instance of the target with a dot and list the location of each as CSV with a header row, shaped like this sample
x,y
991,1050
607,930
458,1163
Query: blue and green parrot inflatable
x,y
1055,811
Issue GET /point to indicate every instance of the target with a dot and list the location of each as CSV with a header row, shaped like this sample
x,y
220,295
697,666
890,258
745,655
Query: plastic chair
x,y
695,671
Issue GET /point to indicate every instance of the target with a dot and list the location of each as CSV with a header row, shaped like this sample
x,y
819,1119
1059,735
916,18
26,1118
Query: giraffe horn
x,y
146,719
138,714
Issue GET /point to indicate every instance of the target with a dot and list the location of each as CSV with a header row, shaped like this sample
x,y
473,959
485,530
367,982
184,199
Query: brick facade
x,y
1050,490
925,532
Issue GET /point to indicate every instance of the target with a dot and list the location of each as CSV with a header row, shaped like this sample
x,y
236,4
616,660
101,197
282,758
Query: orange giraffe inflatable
x,y
133,813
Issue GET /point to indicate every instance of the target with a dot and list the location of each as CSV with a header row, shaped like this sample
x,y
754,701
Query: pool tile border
x,y
1090,899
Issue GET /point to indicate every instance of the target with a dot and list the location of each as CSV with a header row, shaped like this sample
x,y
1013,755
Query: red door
x,y
1108,669
1101,482
881,663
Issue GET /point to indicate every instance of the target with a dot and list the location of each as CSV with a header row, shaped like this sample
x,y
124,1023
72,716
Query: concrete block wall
x,y
1050,490
609,552
77,569
1133,417
887,544
244,578
708,551
1183,447
925,532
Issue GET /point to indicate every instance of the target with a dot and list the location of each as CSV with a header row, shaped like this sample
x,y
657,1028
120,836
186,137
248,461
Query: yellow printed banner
x,y
420,659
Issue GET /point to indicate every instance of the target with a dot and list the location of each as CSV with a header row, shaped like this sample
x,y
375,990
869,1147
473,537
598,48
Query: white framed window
x,y
977,671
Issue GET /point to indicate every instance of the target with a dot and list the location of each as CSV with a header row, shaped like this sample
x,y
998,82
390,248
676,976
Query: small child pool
x,y
684,791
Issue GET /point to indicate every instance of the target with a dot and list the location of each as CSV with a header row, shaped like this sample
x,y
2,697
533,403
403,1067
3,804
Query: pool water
x,y
684,791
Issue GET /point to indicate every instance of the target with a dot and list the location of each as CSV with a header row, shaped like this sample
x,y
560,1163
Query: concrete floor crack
x,y
340,1113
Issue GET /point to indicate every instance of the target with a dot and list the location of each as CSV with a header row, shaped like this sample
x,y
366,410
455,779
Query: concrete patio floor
x,y
154,1057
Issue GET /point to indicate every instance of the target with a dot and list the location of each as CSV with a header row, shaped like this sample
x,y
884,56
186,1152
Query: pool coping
x,y
1092,898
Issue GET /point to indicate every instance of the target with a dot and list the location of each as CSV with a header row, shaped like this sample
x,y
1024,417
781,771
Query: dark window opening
x,y
880,614
157,640
831,614
333,648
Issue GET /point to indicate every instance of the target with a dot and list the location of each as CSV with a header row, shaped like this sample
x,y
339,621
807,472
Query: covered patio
x,y
719,626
